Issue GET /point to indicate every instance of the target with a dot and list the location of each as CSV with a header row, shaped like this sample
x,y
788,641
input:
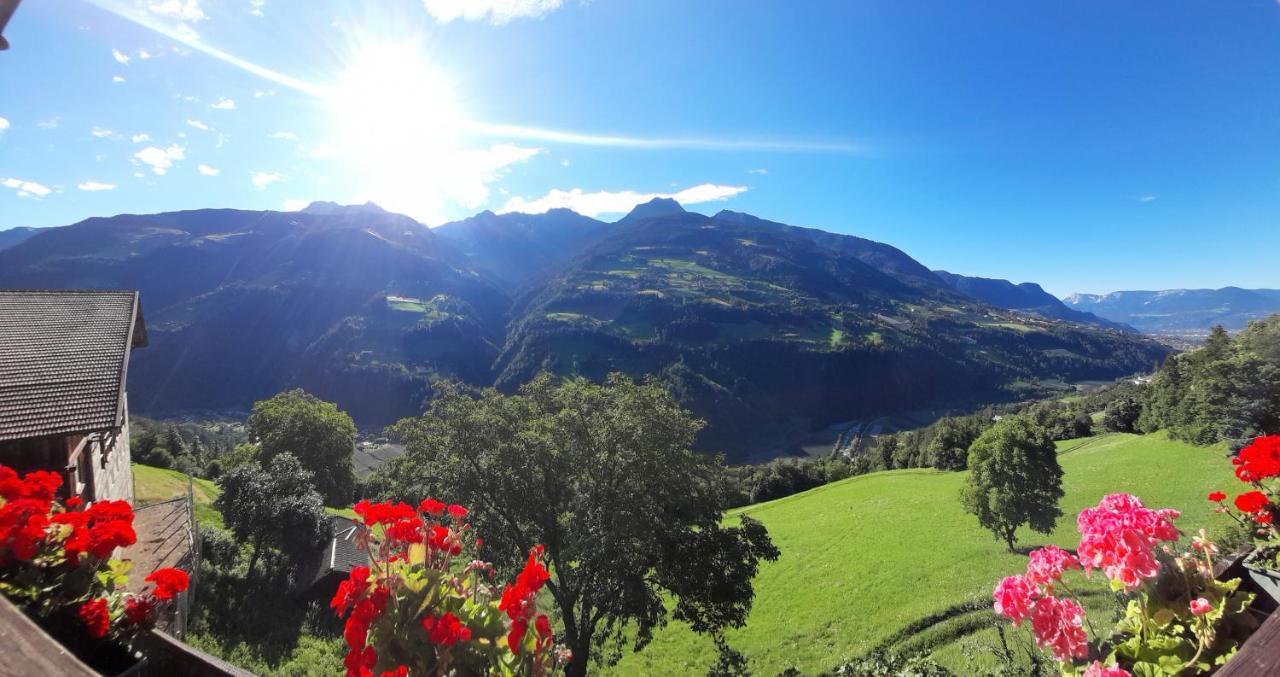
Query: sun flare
x,y
395,117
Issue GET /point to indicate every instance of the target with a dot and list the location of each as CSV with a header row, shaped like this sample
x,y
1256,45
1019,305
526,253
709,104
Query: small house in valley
x,y
64,363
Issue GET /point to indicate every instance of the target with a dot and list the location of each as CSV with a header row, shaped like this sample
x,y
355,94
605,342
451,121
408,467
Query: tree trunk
x,y
253,559
577,666
1010,537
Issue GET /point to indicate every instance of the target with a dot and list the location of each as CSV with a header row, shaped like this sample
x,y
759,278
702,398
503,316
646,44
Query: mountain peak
x,y
326,207
658,206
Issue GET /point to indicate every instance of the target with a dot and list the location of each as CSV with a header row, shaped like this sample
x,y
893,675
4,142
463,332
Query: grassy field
x,y
865,558
151,485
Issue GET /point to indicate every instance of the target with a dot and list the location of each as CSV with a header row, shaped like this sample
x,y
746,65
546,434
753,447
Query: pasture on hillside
x,y
870,558
152,485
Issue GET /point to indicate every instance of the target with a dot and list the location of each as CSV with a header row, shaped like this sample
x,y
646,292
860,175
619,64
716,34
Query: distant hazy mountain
x,y
1181,311
766,331
1027,296
13,236
515,248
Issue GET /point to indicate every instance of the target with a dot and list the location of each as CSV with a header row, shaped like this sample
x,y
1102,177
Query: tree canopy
x,y
315,432
605,477
1014,479
275,507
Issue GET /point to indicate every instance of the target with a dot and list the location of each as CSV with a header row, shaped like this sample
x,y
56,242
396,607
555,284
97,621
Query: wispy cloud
x,y
104,133
617,202
4,124
1147,198
284,136
180,10
95,186
198,125
257,7
491,9
51,123
117,78
139,138
263,179
120,56
495,11
224,104
759,170
160,159
206,170
27,188
263,92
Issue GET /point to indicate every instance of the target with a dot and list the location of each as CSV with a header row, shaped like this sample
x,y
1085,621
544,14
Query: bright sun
x,y
396,119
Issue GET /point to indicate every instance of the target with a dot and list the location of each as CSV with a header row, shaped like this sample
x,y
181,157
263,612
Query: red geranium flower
x,y
1260,460
457,512
431,506
382,513
96,617
169,582
138,609
1217,497
445,630
1252,502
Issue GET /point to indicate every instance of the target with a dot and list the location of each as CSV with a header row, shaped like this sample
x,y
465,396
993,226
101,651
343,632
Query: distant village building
x,y
64,362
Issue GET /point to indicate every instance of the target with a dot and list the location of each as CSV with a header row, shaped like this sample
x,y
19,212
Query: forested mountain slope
x,y
767,331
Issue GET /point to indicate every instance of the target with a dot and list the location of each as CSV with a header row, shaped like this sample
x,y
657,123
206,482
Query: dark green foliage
x,y
605,477
1014,479
1121,415
158,457
1061,420
1228,391
885,664
316,433
218,548
729,661
274,507
949,447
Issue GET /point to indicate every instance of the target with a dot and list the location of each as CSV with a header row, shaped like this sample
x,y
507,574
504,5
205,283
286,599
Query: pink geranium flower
x,y
1014,597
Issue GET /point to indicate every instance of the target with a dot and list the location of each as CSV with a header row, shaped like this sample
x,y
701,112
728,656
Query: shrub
x,y
158,457
218,547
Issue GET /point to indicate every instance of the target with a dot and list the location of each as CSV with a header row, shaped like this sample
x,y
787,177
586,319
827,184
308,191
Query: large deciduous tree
x,y
276,506
1014,479
315,432
605,477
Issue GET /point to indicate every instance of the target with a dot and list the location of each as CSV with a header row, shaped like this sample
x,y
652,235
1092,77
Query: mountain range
x,y
767,331
1181,312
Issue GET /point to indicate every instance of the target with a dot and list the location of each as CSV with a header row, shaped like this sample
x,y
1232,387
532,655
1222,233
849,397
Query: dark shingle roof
x,y
340,554
63,360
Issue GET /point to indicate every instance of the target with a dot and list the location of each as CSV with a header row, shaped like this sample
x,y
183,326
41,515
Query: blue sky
x,y
1088,146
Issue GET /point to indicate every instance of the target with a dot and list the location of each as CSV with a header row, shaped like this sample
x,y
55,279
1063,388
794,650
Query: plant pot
x,y
1267,580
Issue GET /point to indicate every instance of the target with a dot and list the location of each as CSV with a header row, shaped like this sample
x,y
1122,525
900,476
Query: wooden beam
x,y
29,651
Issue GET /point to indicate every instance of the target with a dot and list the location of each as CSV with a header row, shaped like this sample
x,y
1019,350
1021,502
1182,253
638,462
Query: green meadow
x,y
892,559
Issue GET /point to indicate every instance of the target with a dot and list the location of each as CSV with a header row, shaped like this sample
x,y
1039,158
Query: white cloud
x,y
117,78
160,159
198,125
95,186
495,11
257,7
119,56
1147,198
51,123
26,188
284,136
209,171
224,104
263,179
617,202
760,170
182,10
295,205
104,133
564,162
262,92
139,138
4,124
144,55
